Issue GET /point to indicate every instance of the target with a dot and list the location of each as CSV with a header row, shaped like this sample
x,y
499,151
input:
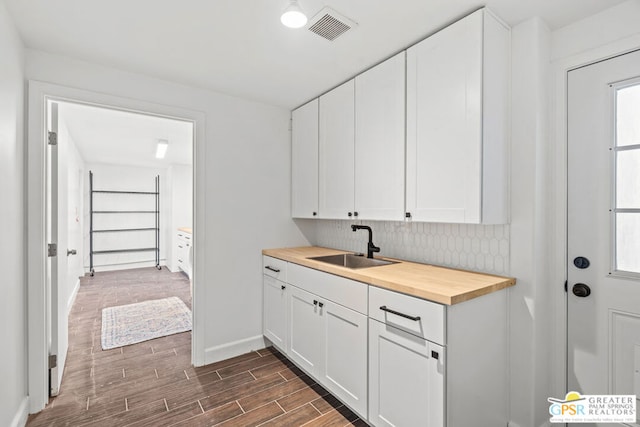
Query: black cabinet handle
x,y
397,313
355,214
349,214
315,213
283,287
321,304
275,270
315,302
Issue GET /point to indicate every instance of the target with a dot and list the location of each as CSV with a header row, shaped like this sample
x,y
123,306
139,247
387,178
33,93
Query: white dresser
x,y
185,250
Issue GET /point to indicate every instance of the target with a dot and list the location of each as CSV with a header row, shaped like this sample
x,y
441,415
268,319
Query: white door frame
x,y
558,130
39,94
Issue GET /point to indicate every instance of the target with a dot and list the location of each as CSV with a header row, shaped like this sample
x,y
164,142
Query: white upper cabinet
x,y
457,123
380,141
304,161
336,166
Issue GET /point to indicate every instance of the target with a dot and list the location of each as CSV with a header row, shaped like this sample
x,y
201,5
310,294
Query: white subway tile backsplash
x,y
470,247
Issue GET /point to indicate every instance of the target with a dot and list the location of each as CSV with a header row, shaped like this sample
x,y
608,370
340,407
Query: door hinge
x,y
52,249
53,138
53,361
566,285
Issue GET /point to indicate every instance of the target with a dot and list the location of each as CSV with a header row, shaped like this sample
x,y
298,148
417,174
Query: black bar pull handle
x,y
275,270
397,313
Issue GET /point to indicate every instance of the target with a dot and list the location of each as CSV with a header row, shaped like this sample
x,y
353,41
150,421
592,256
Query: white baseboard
x,y
20,418
74,294
232,349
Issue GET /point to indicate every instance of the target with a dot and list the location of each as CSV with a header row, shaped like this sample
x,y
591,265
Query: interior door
x,y
604,227
57,178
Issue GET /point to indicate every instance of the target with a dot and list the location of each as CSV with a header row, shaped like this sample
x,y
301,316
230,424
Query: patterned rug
x,y
142,321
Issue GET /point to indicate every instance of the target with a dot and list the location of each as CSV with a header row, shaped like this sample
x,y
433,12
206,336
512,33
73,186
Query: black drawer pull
x,y
321,304
283,287
315,302
397,313
275,270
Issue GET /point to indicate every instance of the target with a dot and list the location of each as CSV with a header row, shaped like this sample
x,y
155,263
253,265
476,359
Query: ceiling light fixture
x,y
161,149
293,16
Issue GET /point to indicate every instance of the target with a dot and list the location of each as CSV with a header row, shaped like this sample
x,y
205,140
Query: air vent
x,y
329,24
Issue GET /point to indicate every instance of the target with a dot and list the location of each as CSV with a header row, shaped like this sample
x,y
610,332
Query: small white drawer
x,y
416,316
346,292
274,267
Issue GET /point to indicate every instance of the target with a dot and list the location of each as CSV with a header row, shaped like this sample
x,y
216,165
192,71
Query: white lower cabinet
x,y
274,321
183,252
394,359
274,301
305,331
345,364
406,380
329,342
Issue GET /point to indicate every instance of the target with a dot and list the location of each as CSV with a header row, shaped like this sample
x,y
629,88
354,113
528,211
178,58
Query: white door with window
x,y
604,227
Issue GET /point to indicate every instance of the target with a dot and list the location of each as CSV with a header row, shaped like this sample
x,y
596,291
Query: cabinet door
x,y
304,161
181,252
345,364
406,381
336,164
444,125
305,340
274,321
380,141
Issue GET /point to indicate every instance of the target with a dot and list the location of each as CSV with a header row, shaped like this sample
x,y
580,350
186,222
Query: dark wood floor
x,y
153,383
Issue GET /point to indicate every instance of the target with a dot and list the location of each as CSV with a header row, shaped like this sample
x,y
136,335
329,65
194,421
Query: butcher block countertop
x,y
439,284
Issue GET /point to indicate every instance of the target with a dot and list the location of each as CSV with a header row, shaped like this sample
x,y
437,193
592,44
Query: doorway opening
x,y
120,212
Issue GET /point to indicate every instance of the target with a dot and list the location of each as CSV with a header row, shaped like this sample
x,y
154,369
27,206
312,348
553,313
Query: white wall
x,y
247,205
13,332
530,312
609,26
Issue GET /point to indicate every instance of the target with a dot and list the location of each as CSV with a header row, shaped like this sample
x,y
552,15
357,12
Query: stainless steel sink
x,y
352,261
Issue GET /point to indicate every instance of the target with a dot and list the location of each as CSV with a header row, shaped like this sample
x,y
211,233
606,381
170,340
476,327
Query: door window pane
x,y
628,242
628,179
628,116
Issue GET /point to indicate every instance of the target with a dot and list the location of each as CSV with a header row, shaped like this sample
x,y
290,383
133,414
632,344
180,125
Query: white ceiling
x,y
240,48
125,138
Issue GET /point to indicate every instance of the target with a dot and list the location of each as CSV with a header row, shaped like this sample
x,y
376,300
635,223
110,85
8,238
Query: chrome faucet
x,y
371,248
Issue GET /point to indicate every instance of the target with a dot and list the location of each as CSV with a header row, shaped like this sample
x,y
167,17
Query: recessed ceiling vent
x,y
329,24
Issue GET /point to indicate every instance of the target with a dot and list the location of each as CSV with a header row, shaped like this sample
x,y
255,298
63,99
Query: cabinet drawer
x,y
274,267
416,316
346,292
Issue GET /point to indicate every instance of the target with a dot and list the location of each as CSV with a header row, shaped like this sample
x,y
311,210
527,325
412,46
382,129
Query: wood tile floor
x,y
153,383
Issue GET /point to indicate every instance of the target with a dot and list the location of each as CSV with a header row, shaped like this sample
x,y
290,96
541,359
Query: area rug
x,y
142,321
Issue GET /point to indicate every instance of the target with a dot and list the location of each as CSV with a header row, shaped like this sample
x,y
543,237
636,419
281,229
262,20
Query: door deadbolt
x,y
581,262
581,290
